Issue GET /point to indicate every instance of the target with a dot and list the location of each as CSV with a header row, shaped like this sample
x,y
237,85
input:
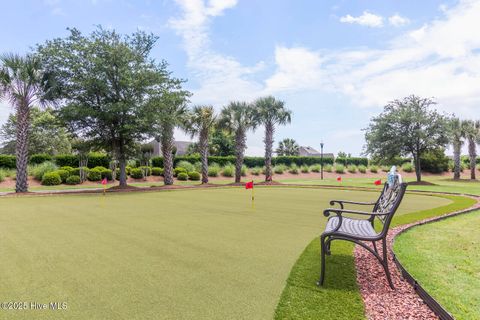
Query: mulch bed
x,y
381,302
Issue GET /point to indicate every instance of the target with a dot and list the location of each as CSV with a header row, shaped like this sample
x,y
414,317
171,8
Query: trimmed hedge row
x,y
250,162
94,160
352,161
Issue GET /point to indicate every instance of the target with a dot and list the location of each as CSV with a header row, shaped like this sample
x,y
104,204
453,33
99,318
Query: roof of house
x,y
313,152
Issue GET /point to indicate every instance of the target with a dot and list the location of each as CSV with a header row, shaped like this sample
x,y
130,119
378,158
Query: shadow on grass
x,y
339,298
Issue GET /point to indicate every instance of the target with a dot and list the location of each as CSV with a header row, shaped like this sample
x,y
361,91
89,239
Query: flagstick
x,y
253,197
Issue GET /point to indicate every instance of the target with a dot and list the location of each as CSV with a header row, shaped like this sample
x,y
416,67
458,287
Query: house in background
x,y
180,146
306,151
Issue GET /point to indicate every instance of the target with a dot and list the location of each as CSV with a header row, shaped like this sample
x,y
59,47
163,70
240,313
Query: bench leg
x,y
375,246
385,264
322,254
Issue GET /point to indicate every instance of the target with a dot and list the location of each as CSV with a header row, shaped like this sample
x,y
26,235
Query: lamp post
x,y
321,159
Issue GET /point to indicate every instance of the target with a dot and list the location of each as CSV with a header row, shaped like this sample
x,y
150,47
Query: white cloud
x,y
366,19
297,68
441,59
398,21
222,78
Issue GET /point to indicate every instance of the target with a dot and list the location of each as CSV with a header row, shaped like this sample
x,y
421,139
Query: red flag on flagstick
x,y
339,179
104,181
249,185
378,182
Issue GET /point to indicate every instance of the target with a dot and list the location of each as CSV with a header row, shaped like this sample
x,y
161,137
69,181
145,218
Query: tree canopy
x,y
46,133
104,82
406,127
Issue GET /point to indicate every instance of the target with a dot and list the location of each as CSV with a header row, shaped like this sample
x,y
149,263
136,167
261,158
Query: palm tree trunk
x,y
472,152
167,146
23,122
240,145
269,130
204,155
456,160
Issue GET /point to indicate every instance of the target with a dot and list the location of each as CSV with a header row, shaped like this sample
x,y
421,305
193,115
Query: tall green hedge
x,y
7,161
39,158
94,160
250,162
352,160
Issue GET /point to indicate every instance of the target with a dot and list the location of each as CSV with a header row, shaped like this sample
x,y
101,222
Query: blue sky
x,y
334,63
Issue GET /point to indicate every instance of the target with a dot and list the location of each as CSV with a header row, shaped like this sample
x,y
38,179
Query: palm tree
x,y
23,82
199,122
171,112
472,134
270,112
237,118
288,147
457,133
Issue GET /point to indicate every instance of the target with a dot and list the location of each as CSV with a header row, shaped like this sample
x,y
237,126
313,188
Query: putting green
x,y
190,254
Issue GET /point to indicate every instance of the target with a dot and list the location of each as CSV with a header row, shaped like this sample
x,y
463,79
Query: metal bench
x,y
359,231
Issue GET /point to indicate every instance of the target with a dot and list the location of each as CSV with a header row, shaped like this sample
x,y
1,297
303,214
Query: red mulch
x,y
380,301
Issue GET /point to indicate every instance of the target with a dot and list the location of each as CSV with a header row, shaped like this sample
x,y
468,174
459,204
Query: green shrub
x,y
305,169
147,171
94,174
73,180
293,169
280,168
43,168
256,171
2,175
198,166
67,168
352,168
64,174
213,170
39,158
51,179
63,160
373,169
328,168
183,176
97,159
157,171
386,168
194,175
228,170
339,168
76,171
316,168
244,171
407,167
185,165
362,168
435,161
352,161
136,173
178,170
128,169
104,172
7,161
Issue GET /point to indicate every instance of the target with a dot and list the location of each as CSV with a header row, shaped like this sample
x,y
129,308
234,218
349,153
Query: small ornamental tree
x,y
406,127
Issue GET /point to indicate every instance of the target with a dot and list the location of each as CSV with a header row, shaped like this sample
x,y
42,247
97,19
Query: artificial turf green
x,y
444,257
185,254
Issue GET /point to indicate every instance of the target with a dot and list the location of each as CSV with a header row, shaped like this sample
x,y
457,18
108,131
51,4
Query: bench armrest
x,y
341,202
339,212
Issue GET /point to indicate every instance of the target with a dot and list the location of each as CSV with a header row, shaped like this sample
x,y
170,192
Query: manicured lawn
x,y
441,183
445,258
185,254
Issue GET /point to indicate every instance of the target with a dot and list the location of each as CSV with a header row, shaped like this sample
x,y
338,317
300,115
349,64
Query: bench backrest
x,y
389,200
